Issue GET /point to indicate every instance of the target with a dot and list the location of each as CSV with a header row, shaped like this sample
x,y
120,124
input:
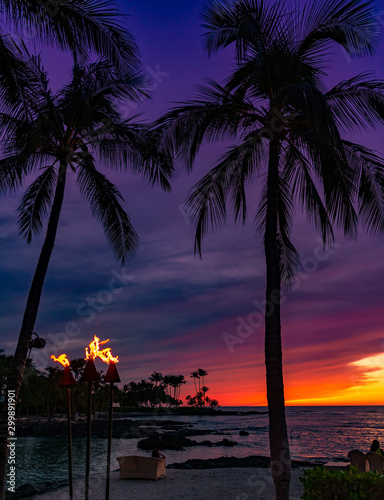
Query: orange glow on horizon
x,y
104,354
61,359
345,383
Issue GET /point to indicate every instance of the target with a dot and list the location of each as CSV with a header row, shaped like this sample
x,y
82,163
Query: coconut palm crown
x,y
290,133
67,132
86,28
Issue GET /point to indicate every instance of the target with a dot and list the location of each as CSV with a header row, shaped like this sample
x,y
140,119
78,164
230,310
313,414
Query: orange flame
x,y
104,354
61,359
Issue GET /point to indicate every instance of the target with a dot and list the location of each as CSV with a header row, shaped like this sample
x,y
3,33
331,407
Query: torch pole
x,y
68,381
88,451
69,443
111,376
89,375
109,440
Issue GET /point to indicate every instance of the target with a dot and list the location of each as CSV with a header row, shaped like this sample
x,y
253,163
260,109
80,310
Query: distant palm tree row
x,y
41,394
200,399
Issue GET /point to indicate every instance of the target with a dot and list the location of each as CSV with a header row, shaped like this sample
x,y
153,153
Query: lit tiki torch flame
x,y
61,359
104,354
67,379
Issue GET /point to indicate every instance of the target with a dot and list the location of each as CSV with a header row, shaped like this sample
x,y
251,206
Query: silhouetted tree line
x,y
41,394
200,400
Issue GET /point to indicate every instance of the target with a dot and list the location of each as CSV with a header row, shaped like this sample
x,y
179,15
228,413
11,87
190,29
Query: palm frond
x,y
289,256
309,103
243,22
14,168
242,163
135,146
297,169
206,203
357,103
106,205
17,79
351,24
100,83
34,205
78,25
215,115
370,167
338,179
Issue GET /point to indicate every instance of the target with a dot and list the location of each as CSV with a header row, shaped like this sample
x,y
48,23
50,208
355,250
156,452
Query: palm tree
x,y
204,390
195,376
77,367
64,133
180,380
288,130
156,378
202,373
84,28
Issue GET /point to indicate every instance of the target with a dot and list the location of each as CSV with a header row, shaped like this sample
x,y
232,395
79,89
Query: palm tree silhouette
x,y
288,130
195,376
156,377
179,380
202,373
84,27
64,133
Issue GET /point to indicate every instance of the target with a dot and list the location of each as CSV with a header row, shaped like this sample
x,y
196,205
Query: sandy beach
x,y
212,484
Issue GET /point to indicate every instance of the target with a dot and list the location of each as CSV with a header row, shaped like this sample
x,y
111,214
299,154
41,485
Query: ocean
x,y
316,433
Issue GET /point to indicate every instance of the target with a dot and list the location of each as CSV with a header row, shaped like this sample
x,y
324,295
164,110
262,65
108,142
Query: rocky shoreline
x,y
161,434
122,429
164,435
256,461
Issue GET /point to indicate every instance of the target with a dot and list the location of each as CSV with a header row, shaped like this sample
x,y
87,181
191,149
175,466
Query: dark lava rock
x,y
243,433
206,442
121,429
166,442
227,462
226,442
176,441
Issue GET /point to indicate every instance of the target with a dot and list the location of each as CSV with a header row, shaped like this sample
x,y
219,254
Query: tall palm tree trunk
x,y
15,378
278,436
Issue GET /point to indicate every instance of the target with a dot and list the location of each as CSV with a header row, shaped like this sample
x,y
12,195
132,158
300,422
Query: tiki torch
x,y
67,381
90,375
111,376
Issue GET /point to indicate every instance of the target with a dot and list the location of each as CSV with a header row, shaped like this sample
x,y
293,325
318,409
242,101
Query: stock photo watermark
x,y
11,475
247,325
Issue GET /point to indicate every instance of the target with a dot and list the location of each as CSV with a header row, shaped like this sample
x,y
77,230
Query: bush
x,y
321,484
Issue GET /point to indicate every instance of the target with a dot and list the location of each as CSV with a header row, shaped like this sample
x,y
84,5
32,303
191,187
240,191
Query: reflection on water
x,y
314,432
42,459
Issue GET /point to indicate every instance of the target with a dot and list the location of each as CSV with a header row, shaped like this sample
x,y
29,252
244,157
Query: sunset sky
x,y
171,312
